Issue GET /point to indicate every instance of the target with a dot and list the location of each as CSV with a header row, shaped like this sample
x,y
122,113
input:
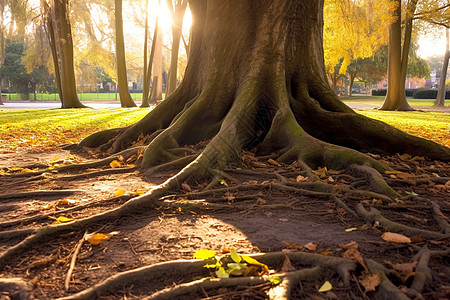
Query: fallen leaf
x,y
301,178
325,287
273,162
293,246
405,157
230,198
97,238
311,246
405,268
204,254
370,282
234,256
395,237
351,229
321,172
351,245
287,265
61,219
185,187
119,193
353,253
115,164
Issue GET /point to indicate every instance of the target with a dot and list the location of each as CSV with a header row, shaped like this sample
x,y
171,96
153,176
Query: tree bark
x,y
178,15
398,60
60,33
256,79
440,99
145,88
157,70
122,80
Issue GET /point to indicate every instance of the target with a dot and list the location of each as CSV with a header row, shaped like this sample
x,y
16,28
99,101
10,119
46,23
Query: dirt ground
x,y
259,219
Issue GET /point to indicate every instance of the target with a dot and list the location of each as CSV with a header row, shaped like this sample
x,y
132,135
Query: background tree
x,y
122,80
178,9
57,21
156,92
440,99
352,30
13,71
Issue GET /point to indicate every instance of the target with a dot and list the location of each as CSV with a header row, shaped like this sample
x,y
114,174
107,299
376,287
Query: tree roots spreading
x,y
262,131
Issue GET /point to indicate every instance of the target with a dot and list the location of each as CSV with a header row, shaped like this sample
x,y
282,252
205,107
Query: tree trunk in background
x,y
61,42
177,26
147,78
398,60
122,80
157,70
440,99
145,88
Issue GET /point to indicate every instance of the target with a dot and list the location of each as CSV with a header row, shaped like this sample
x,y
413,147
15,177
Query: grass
x,y
378,101
45,129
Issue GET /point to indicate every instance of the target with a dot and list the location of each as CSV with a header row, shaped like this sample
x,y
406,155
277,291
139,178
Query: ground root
x,y
189,269
374,215
33,194
121,156
59,212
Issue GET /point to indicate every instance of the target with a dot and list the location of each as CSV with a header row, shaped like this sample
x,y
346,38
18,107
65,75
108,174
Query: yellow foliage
x,y
354,29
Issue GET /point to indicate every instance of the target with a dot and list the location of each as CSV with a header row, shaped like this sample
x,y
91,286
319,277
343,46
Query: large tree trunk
x,y
122,80
398,59
440,99
60,34
266,89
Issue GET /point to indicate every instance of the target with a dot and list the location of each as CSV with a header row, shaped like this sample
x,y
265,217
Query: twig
x,y
72,262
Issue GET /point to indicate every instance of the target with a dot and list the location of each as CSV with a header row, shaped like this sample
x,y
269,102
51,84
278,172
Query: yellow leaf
x,y
204,254
351,229
234,256
62,219
395,237
326,287
115,164
97,238
119,193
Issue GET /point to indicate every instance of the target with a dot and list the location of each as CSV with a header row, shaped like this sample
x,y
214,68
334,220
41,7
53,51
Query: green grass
x,y
48,128
378,101
430,125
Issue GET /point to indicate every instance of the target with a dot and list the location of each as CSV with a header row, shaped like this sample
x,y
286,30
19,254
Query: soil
x,y
260,219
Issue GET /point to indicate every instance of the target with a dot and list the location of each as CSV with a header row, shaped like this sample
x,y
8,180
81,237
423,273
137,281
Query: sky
x,y
429,45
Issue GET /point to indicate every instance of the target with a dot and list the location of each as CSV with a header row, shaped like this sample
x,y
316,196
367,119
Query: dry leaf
x,y
293,246
405,268
229,197
97,238
405,157
185,187
321,172
115,164
287,265
351,245
370,282
353,253
395,237
351,229
311,246
273,162
301,178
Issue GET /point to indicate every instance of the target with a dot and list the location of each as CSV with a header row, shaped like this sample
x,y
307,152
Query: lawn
x,y
44,129
378,101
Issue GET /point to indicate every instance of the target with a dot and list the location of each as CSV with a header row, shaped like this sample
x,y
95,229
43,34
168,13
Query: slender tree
x,y
440,99
156,93
122,80
178,10
57,20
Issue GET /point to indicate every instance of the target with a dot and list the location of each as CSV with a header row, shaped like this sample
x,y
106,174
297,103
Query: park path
x,y
116,104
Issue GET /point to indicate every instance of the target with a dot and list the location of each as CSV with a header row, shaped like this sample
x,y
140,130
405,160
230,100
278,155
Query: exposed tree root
x,y
374,215
441,219
36,194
